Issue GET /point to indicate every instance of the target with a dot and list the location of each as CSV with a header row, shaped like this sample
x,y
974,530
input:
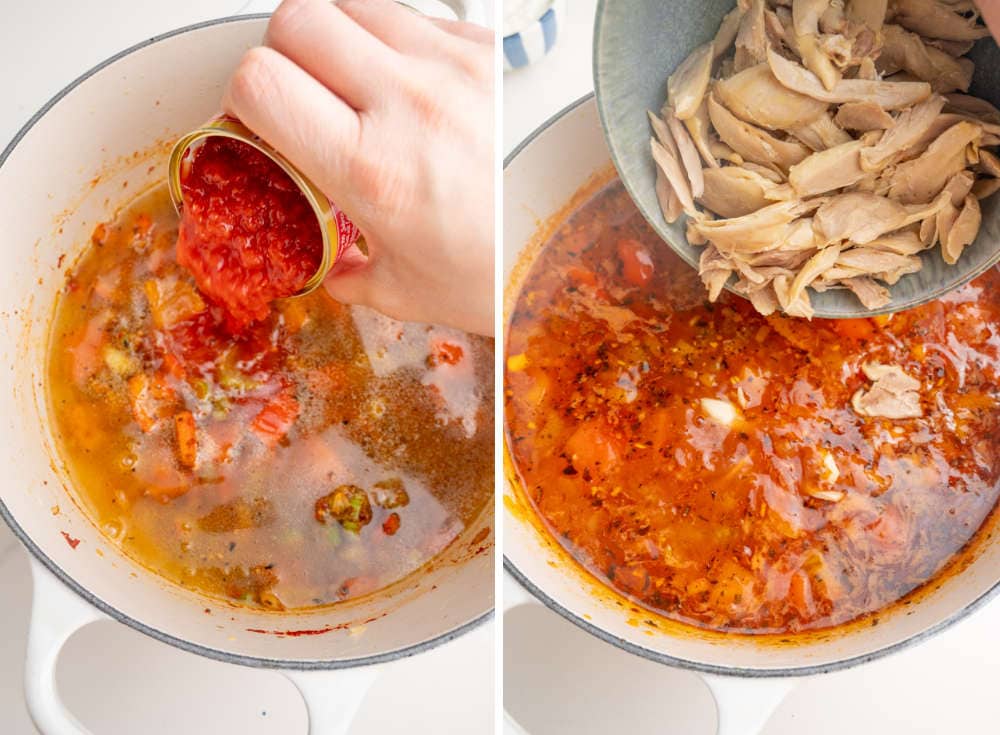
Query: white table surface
x,y
118,681
578,685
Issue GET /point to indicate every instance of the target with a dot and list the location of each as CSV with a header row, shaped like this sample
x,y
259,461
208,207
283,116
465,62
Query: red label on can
x,y
348,231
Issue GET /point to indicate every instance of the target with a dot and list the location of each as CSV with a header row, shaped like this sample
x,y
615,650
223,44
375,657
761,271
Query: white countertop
x,y
582,686
144,686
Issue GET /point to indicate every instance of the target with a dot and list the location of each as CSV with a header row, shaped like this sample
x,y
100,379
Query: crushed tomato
x,y
247,234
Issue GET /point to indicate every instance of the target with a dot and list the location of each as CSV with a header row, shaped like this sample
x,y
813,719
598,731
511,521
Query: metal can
x,y
338,232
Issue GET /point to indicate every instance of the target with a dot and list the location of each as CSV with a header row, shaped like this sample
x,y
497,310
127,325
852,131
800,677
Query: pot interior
x,y
539,180
103,140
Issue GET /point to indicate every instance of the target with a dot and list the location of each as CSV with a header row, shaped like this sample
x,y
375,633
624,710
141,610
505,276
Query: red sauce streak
x,y
317,631
73,542
247,234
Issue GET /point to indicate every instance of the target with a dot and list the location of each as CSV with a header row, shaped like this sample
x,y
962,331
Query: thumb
x,y
351,280
991,13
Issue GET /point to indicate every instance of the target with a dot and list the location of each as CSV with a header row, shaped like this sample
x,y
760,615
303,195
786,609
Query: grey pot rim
x,y
698,667
110,610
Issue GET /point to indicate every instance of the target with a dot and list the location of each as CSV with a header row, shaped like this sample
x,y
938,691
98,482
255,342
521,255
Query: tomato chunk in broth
x,y
709,463
321,453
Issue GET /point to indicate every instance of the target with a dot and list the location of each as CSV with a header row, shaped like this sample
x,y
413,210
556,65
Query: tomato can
x,y
338,231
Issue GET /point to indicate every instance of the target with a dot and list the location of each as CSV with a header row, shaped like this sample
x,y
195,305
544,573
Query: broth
x,y
707,462
320,454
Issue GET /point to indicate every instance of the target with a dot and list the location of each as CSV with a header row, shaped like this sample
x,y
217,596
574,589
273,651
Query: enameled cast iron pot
x,y
747,677
103,138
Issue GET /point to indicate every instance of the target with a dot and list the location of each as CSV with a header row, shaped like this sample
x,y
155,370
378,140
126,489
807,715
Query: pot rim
x,y
105,607
682,663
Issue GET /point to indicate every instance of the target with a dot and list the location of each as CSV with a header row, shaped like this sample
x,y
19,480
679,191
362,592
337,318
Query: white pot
x,y
747,676
99,140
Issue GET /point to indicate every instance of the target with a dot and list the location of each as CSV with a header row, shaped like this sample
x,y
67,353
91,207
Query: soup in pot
x,y
321,453
738,472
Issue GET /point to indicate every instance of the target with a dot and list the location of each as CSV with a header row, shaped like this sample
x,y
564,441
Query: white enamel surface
x,y
540,180
49,207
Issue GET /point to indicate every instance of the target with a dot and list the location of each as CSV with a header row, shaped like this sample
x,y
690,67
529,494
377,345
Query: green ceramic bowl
x,y
638,43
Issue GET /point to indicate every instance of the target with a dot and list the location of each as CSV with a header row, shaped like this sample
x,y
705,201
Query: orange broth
x,y
317,455
612,350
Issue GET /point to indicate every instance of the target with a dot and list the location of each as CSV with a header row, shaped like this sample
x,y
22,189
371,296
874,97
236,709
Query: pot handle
x,y
745,705
471,11
56,613
333,697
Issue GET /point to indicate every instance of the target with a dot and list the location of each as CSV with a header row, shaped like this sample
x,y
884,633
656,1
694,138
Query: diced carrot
x,y
856,329
276,418
172,301
580,276
445,353
150,398
391,524
187,439
142,406
637,263
800,595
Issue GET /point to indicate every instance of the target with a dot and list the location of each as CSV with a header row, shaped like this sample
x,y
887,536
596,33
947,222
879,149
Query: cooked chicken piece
x,y
834,18
753,143
699,127
768,172
869,12
688,154
752,233
811,270
974,106
937,19
892,395
944,221
910,126
821,134
888,95
670,203
723,152
861,217
867,71
863,116
763,299
800,307
959,186
828,170
989,163
990,140
847,52
686,87
929,230
922,179
879,264
963,232
806,15
725,37
952,48
671,168
905,242
871,294
985,188
714,269
907,51
751,39
734,191
693,234
755,96
941,124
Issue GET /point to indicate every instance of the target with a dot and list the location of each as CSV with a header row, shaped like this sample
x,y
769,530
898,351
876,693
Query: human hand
x,y
391,115
991,14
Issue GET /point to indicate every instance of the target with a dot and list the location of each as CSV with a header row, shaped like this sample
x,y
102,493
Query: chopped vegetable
x,y
276,418
187,439
172,301
390,493
517,363
391,524
348,505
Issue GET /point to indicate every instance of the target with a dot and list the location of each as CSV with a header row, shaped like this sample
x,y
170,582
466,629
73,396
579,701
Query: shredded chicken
x,y
892,395
825,144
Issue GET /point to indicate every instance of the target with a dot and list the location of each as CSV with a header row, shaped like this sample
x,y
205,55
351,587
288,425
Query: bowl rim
x,y
111,611
733,671
654,218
